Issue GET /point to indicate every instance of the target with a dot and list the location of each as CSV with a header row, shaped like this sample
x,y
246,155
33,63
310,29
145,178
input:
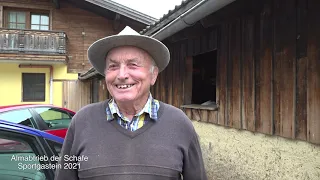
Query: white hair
x,y
153,65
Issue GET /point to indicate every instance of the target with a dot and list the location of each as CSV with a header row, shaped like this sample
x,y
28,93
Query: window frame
x,y
7,16
53,150
37,144
22,88
28,13
40,14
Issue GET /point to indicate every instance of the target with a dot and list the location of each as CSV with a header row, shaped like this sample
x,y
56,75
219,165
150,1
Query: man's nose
x,y
123,73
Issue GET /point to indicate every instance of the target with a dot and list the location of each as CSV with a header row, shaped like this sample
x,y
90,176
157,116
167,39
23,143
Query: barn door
x,y
76,94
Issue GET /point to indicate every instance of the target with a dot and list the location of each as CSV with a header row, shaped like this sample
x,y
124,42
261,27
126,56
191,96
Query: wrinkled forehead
x,y
127,53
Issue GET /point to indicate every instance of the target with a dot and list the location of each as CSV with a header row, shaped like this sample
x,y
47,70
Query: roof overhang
x,y
188,18
124,11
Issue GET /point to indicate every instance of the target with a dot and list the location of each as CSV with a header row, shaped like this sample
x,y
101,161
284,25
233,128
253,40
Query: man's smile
x,y
124,86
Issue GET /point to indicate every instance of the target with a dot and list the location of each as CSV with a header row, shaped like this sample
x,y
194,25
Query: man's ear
x,y
154,75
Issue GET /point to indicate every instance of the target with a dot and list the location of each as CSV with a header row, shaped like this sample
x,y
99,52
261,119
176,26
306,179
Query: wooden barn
x,y
245,64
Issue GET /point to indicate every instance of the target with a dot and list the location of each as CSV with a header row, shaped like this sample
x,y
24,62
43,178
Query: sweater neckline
x,y
133,134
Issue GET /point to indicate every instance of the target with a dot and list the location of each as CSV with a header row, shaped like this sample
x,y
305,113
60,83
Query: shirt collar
x,y
151,108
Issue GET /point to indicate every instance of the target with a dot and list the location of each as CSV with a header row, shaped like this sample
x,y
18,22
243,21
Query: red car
x,y
49,118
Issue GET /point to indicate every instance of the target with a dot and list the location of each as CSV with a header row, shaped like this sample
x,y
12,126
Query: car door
x,y
23,156
54,120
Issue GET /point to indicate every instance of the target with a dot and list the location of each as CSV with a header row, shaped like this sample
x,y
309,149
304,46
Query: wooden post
x,y
1,17
188,81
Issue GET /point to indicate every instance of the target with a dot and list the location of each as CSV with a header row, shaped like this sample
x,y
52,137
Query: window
x,y
54,118
204,78
39,22
22,117
16,20
26,19
15,153
33,86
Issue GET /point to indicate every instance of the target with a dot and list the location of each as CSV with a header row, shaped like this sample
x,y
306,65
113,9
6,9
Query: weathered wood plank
x,y
302,65
182,71
248,98
190,51
76,94
301,103
188,80
313,93
264,72
1,17
213,40
163,80
222,73
234,90
176,75
213,117
102,90
197,45
284,68
188,112
196,114
204,41
204,115
228,121
169,78
313,79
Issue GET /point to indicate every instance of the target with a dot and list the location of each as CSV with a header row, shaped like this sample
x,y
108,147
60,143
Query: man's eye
x,y
132,64
112,66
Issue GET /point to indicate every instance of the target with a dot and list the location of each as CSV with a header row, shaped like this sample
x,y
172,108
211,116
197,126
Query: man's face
x,y
128,74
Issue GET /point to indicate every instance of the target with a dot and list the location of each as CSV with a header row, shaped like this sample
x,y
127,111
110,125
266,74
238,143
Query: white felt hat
x,y
128,37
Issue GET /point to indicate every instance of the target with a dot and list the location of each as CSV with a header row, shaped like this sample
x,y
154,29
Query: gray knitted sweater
x,y
97,149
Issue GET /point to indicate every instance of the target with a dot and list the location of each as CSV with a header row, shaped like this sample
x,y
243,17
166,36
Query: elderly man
x,y
131,136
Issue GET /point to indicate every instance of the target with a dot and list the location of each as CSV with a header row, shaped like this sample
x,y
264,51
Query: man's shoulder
x,y
168,108
92,107
174,115
90,110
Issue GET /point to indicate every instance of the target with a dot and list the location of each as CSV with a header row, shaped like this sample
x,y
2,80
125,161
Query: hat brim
x,y
98,50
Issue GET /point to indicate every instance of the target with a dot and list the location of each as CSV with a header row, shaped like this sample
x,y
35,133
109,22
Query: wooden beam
x,y
56,3
1,17
188,80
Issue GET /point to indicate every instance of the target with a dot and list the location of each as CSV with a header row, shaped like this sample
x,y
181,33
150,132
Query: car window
x,y
22,117
54,118
18,160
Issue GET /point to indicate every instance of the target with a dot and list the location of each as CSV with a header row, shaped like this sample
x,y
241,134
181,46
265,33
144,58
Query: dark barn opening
x,y
204,78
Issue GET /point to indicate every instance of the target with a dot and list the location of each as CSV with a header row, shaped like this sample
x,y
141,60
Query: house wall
x,y
11,83
75,21
231,154
82,27
268,68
